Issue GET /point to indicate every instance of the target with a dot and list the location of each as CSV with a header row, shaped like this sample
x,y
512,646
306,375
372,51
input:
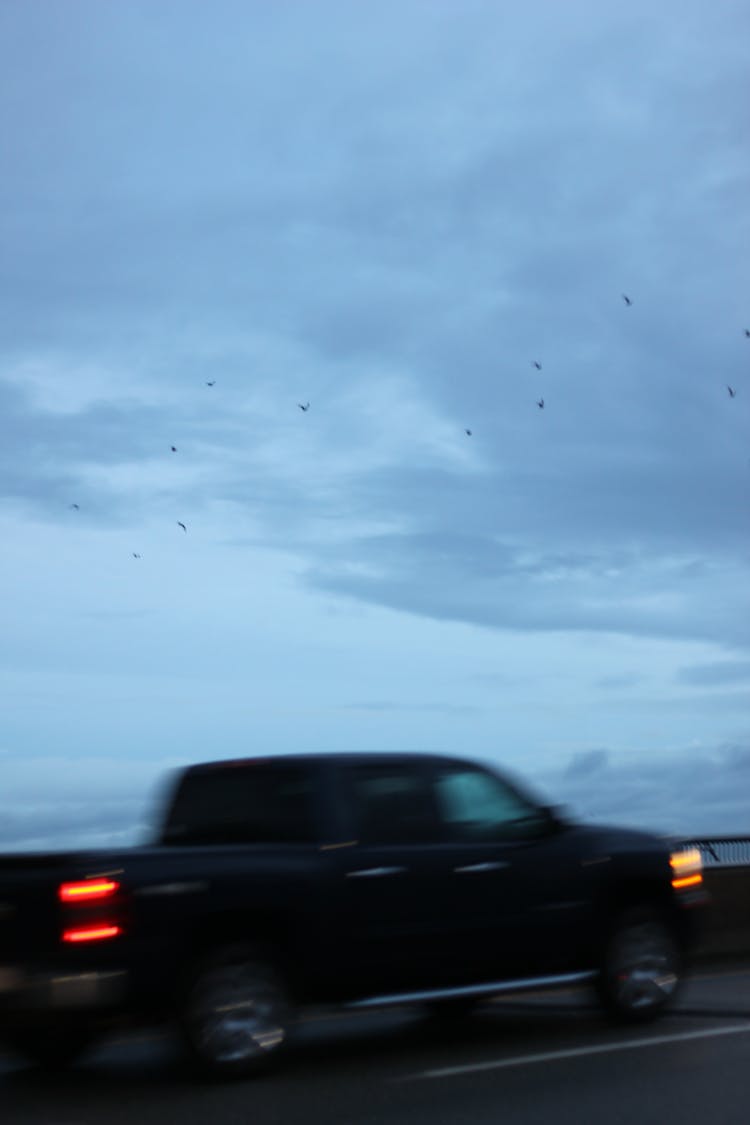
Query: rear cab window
x,y
247,803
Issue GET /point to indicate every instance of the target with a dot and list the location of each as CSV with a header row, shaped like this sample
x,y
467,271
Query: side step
x,y
496,988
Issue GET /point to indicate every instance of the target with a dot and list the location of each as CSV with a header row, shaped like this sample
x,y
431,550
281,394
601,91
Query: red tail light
x,y
98,932
86,895
87,890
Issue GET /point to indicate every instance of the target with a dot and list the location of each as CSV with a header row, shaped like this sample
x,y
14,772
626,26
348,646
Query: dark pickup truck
x,y
339,879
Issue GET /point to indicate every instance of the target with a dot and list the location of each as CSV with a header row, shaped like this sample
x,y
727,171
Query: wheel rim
x,y
644,967
237,1014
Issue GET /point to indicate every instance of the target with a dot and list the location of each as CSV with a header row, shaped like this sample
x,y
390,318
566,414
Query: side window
x,y
391,804
476,806
248,804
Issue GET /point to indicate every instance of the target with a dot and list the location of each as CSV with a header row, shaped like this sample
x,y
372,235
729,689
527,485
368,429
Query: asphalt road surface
x,y
536,1059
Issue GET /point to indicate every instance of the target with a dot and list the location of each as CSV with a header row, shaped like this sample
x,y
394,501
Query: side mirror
x,y
556,817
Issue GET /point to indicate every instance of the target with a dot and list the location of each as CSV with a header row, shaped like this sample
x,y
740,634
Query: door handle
x,y
478,868
374,872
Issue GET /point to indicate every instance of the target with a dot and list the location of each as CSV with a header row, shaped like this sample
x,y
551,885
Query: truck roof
x,y
343,756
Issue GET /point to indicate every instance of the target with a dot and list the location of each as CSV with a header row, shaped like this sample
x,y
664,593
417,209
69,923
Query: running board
x,y
524,984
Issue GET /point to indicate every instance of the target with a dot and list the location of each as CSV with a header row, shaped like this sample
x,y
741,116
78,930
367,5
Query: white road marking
x,y
578,1052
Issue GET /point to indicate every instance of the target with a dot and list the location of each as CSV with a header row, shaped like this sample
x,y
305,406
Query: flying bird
x,y
173,448
182,525
626,299
732,391
540,403
75,507
304,407
747,333
212,383
468,433
537,364
135,556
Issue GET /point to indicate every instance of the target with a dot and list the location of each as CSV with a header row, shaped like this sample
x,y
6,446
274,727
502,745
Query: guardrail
x,y
726,874
724,851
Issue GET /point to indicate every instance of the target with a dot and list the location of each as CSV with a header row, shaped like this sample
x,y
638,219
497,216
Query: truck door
x,y
390,878
513,891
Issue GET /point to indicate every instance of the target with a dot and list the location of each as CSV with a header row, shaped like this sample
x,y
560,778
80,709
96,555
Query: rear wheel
x,y
235,1014
642,967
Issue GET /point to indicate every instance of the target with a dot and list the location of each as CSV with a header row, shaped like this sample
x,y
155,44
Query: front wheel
x,y
641,969
235,1014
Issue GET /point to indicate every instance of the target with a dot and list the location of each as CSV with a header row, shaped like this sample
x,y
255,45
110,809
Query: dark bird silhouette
x,y
135,556
537,364
173,448
747,333
540,403
75,507
304,407
182,525
732,391
212,383
468,433
626,299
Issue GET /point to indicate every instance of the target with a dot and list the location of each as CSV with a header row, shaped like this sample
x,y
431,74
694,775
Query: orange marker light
x,y
691,857
91,933
88,890
687,868
687,881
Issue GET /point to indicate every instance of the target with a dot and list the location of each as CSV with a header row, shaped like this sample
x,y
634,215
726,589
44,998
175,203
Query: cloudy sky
x,y
213,214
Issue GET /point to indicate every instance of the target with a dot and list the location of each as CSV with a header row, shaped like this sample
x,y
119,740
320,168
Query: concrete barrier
x,y
726,928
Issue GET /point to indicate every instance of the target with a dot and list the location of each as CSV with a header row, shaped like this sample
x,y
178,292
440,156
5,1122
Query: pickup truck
x,y
347,880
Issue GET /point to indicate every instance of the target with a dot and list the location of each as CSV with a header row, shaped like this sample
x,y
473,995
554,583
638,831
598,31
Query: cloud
x,y
689,792
383,706
93,802
718,673
492,581
587,763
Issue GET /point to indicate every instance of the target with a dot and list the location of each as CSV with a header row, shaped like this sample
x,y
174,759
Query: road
x,y
547,1058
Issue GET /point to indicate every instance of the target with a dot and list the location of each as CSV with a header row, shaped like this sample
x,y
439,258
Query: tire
x,y
51,1048
235,1014
641,969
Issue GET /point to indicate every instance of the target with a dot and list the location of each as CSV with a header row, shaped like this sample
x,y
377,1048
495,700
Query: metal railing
x,y
723,851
